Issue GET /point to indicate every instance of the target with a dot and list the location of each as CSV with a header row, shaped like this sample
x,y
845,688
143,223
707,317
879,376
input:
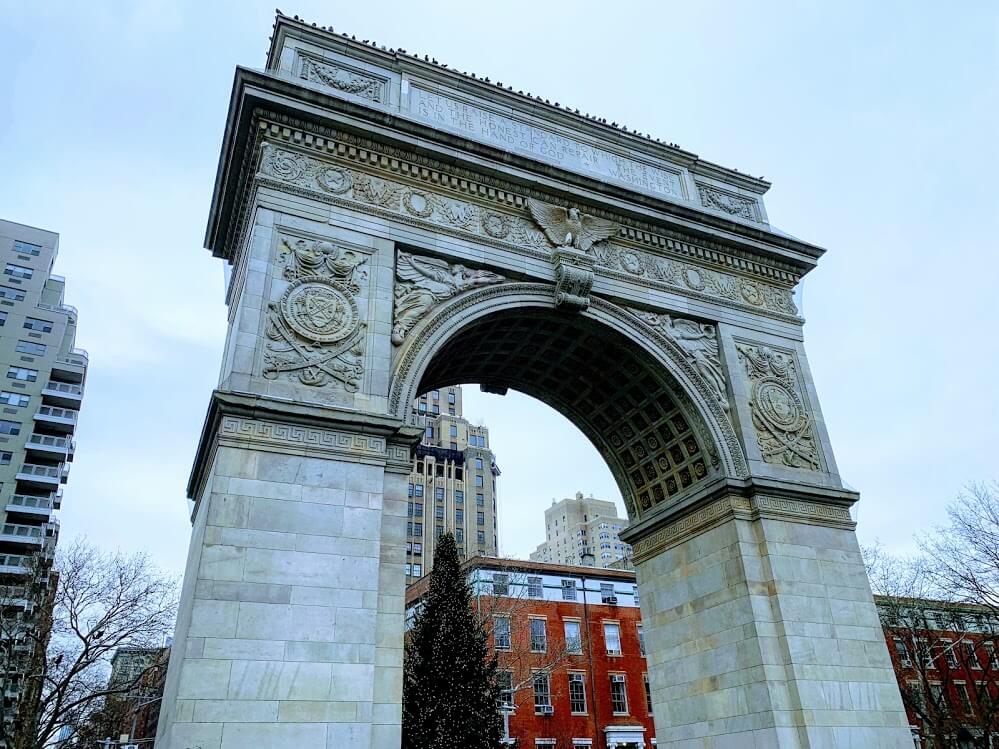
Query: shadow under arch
x,y
626,386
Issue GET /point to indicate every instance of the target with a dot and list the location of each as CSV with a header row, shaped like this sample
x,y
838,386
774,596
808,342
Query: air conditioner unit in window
x,y
546,710
610,600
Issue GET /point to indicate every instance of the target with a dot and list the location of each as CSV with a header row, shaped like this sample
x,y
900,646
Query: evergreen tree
x,y
450,695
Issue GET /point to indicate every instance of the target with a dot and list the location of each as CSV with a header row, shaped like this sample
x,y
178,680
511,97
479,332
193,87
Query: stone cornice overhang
x,y
280,410
254,90
747,488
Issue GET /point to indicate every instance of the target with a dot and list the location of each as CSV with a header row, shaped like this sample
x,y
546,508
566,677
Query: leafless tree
x,y
100,602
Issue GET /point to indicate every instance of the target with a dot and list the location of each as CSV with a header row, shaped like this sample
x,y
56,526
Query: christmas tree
x,y
450,696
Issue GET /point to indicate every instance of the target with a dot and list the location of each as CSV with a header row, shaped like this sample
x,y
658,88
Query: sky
x,y
876,123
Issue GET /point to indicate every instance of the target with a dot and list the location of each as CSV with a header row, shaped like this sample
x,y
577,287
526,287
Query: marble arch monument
x,y
389,225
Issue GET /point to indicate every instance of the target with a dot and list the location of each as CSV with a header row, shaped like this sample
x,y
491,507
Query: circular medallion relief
x,y
319,311
334,180
779,406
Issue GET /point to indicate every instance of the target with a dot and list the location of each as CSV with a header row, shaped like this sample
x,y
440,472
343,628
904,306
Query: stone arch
x,y
647,410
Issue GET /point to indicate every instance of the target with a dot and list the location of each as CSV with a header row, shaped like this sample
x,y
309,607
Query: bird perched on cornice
x,y
569,227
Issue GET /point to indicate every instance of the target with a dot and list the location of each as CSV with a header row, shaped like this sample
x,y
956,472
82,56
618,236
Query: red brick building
x,y
571,652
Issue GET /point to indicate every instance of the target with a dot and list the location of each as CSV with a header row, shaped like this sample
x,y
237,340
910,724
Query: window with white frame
x,y
542,692
619,694
903,652
568,590
606,592
504,680
534,587
970,656
14,399
612,638
964,698
501,632
641,638
573,636
539,635
577,693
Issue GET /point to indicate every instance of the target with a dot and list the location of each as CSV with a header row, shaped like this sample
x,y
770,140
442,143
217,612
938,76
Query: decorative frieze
x,y
294,436
783,424
440,212
343,79
730,203
315,330
423,282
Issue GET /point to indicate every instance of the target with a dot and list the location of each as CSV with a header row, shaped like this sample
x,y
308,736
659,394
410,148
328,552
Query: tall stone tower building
x,y
583,530
40,398
452,486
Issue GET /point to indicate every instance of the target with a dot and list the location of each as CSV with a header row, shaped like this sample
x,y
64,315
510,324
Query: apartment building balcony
x,y
49,446
13,564
72,367
65,394
56,418
29,536
43,477
30,506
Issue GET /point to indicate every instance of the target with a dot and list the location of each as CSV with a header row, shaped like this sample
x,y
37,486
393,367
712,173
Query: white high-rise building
x,y
583,530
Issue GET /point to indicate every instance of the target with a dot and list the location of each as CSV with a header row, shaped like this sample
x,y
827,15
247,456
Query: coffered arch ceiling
x,y
627,404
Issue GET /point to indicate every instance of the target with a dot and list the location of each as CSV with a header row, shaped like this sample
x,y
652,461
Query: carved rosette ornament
x,y
315,329
422,283
783,424
699,343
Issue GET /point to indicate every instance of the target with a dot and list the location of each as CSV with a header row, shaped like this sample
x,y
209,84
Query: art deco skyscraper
x,y
40,396
583,530
452,486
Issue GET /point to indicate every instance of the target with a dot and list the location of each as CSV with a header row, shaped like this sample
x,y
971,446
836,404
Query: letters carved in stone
x,y
783,424
699,343
423,282
343,79
315,329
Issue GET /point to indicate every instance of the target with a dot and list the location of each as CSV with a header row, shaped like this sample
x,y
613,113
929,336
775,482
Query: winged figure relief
x,y
568,227
423,282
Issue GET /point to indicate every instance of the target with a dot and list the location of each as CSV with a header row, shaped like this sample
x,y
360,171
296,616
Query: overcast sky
x,y
876,123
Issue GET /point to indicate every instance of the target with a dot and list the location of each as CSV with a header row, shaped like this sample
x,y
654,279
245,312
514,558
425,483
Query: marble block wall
x,y
293,625
762,632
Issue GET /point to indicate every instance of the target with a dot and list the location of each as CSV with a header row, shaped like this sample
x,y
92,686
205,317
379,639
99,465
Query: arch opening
x,y
613,390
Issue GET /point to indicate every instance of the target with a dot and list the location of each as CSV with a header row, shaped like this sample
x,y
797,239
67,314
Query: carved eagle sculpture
x,y
569,227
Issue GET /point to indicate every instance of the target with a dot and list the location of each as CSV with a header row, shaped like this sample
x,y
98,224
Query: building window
x,y
450,398
542,693
606,592
970,657
612,638
439,513
568,590
454,445
480,500
14,399
641,639
450,410
435,394
479,482
417,509
439,493
15,295
534,587
5,458
573,640
481,537
459,515
17,271
436,409
480,518
418,548
409,570
990,650
3,318
42,326
422,407
648,693
418,490
417,570
30,347
504,680
411,490
454,430
948,647
438,531
638,600
501,631
501,584
577,693
459,496
417,529
539,636
429,433
619,695
26,248
478,463
459,537
903,652
963,696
